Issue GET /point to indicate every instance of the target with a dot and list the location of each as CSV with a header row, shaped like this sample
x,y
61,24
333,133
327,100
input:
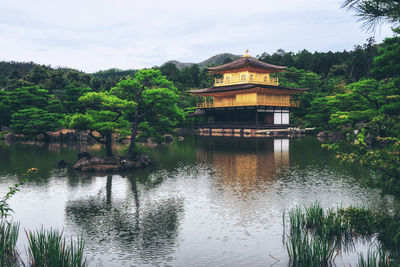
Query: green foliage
x,y
5,112
372,13
70,98
33,110
353,64
106,79
38,75
156,111
27,97
13,71
104,113
5,208
105,101
49,248
102,121
319,112
34,121
383,158
367,112
367,101
187,77
387,62
171,72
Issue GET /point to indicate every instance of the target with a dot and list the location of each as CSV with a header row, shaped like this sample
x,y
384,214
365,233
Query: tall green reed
x,y
306,242
8,240
376,258
314,236
49,248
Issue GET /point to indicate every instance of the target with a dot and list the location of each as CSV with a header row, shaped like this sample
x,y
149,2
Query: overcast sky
x,y
93,35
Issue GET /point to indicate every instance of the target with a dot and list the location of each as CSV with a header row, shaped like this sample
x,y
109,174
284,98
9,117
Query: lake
x,y
205,201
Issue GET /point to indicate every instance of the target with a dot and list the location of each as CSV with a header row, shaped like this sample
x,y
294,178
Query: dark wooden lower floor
x,y
243,118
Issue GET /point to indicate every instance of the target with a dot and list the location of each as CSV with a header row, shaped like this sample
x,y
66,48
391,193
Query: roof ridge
x,y
245,61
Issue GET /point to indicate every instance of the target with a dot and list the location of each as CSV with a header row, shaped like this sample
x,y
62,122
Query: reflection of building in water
x,y
281,152
248,166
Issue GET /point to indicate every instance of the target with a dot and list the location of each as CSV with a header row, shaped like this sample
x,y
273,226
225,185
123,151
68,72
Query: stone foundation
x,y
289,132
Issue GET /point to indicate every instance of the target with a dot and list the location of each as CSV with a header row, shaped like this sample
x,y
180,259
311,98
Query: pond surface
x,y
204,202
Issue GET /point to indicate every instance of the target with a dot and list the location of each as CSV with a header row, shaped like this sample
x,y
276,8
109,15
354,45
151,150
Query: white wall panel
x,y
285,118
277,118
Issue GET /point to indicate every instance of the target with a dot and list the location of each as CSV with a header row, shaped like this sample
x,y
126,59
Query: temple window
x,y
227,79
265,78
243,77
251,77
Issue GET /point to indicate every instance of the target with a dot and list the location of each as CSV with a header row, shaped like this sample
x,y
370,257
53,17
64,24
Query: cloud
x,y
92,35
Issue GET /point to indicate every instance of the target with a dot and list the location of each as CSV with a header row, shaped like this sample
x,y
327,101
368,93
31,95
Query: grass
x,y
49,248
377,258
315,237
8,239
309,241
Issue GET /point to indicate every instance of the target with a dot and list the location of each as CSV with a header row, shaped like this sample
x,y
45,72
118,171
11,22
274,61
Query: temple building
x,y
248,95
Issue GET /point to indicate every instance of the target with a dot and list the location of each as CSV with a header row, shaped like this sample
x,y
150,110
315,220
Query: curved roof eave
x,y
237,87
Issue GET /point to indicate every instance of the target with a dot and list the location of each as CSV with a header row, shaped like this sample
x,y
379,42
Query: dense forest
x,y
319,71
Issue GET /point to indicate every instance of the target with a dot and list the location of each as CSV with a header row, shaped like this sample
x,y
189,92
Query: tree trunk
x,y
134,130
132,145
109,145
46,138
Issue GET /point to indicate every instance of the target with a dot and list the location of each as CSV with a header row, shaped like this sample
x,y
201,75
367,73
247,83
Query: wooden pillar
x,y
256,119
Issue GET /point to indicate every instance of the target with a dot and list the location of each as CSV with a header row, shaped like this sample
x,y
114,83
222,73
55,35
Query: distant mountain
x,y
212,61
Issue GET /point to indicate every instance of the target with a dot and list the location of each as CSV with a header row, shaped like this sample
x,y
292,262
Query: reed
x,y
8,239
307,243
49,248
315,237
377,258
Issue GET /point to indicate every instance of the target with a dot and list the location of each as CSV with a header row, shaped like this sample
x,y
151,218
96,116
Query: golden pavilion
x,y
248,95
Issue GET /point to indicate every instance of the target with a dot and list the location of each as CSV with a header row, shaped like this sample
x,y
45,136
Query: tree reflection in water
x,y
145,232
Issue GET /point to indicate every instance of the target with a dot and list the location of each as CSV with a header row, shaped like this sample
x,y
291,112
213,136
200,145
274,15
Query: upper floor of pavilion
x,y
246,70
